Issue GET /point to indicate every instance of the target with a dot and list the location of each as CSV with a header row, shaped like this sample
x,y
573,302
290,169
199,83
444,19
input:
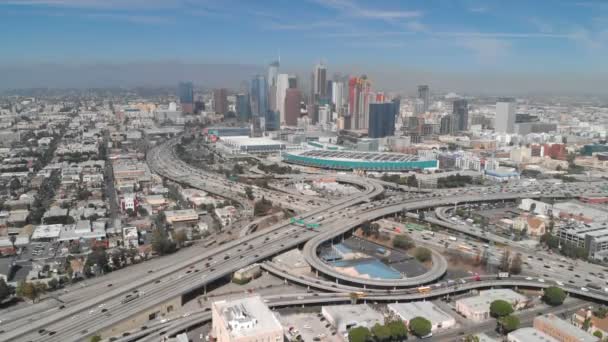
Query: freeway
x,y
445,289
100,312
389,208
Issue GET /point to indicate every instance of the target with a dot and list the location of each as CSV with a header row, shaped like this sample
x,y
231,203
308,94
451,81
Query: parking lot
x,y
310,326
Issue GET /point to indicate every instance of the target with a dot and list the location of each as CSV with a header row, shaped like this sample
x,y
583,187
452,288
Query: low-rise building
x,y
345,317
245,320
596,323
561,330
529,335
438,318
478,308
181,218
47,232
225,215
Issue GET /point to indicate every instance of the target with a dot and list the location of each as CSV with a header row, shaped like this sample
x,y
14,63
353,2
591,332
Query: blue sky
x,y
508,36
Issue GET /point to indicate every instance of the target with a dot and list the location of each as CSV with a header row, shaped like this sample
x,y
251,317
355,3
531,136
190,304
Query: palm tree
x,y
13,238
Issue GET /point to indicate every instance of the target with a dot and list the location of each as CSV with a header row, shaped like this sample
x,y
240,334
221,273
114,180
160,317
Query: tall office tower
x,y
460,111
320,81
185,92
359,90
273,72
504,122
418,107
259,97
293,98
337,95
220,101
447,125
330,91
292,81
243,110
382,119
282,86
272,120
425,95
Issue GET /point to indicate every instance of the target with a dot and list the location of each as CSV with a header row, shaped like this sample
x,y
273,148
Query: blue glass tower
x,y
382,119
185,92
243,109
259,96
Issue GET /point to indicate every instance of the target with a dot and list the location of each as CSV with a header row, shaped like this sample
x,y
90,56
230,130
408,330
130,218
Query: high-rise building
x,y
292,81
320,81
272,120
447,125
424,94
338,96
504,121
382,119
259,97
243,109
220,101
273,72
282,86
293,98
185,92
359,91
460,111
324,115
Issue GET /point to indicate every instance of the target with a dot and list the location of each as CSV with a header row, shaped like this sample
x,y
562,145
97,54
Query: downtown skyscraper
x,y
359,95
185,92
424,94
504,121
319,87
273,72
460,111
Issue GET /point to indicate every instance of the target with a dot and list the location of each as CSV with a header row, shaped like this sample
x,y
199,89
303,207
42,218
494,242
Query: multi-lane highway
x,y
100,310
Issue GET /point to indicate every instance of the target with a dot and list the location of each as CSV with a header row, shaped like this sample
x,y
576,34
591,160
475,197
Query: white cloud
x,y
351,8
416,26
541,25
479,9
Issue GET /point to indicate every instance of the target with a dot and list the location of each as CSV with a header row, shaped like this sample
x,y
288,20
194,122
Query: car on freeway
x,y
584,289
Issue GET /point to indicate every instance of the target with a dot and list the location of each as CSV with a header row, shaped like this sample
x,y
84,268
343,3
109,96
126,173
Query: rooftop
x,y
485,298
564,326
358,156
247,316
407,311
531,335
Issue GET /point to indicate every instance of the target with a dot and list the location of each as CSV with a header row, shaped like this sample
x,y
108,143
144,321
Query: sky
x,y
547,39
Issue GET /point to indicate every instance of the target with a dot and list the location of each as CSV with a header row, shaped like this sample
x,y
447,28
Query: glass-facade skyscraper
x,y
185,92
382,119
243,109
259,96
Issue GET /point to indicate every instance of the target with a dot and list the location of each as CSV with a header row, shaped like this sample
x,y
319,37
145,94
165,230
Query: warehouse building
x,y
345,317
478,308
529,335
438,318
561,330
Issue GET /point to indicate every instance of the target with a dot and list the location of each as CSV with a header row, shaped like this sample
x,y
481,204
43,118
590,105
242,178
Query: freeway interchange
x,y
162,282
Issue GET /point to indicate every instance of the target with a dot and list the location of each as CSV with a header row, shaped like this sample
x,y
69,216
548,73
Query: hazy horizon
x,y
212,75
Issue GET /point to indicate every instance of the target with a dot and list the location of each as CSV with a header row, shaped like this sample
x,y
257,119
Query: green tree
x,y
471,338
420,326
249,193
403,242
381,332
516,264
98,257
5,290
423,254
600,312
554,296
508,323
398,330
161,244
500,308
53,284
505,261
359,334
95,338
549,240
180,237
598,334
29,290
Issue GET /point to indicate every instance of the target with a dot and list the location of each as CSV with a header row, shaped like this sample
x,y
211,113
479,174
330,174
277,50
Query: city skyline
x,y
463,43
